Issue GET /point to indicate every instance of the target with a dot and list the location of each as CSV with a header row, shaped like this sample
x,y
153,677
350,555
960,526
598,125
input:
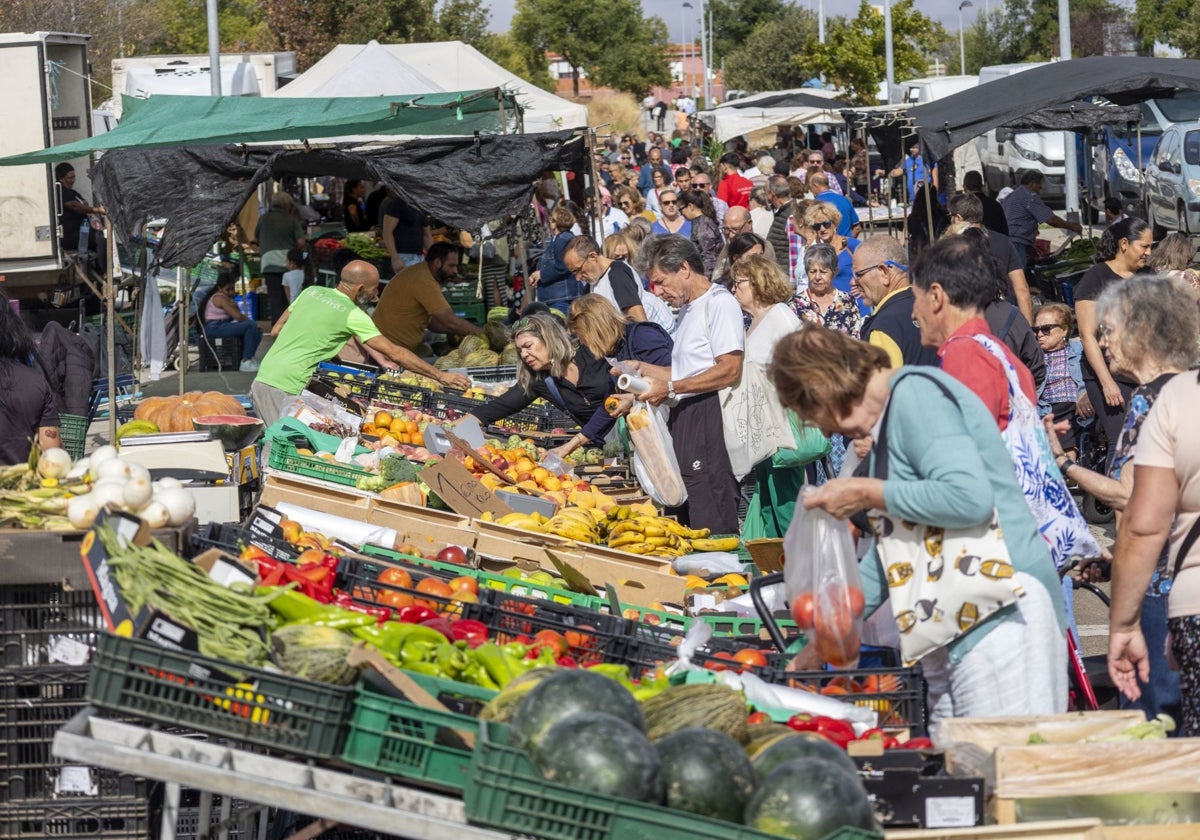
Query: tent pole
x,y
503,121
1087,179
183,296
597,199
1141,174
110,335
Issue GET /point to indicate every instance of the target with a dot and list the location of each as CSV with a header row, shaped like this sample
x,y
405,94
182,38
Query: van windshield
x,y
1191,147
1184,106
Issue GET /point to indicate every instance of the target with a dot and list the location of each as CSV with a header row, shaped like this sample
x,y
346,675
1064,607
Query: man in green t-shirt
x,y
316,327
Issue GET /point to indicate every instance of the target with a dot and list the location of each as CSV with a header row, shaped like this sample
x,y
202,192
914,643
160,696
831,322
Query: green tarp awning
x,y
162,121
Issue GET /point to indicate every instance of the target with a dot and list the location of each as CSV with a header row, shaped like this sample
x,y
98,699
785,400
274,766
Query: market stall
x,y
802,106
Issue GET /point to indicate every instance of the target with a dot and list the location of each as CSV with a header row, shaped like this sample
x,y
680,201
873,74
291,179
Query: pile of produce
x,y
36,494
176,413
518,459
481,350
683,748
365,246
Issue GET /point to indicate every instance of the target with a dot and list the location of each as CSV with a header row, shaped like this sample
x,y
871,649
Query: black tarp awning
x,y
786,99
947,123
463,181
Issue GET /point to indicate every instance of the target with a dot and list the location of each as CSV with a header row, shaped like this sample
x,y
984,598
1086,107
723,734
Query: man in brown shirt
x,y
413,301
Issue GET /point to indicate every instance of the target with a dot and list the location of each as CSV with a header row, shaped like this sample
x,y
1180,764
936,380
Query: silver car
x,y
1173,181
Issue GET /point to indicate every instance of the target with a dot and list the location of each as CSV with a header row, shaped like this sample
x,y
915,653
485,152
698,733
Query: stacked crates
x,y
46,634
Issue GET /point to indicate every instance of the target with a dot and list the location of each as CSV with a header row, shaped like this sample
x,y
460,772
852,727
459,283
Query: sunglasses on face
x,y
701,185
1046,329
822,225
670,202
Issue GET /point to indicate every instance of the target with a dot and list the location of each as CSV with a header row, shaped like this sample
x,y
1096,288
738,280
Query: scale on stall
x,y
195,459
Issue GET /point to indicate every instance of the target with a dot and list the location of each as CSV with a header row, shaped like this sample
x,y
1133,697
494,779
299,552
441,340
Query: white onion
x,y
80,469
54,463
82,511
102,454
114,468
137,492
138,471
155,515
109,494
168,481
180,504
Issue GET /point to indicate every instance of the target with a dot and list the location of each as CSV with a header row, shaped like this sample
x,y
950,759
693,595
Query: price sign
x,y
461,491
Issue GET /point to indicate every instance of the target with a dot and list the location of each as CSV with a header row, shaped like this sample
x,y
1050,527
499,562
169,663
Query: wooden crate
x,y
1058,830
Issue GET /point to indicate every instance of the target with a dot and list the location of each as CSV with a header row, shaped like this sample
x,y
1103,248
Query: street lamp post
x,y
889,55
684,73
962,51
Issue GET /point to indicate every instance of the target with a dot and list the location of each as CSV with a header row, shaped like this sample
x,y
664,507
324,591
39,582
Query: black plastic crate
x,y
391,392
231,538
43,623
34,704
360,578
498,373
644,654
591,636
264,708
896,694
76,819
187,819
223,354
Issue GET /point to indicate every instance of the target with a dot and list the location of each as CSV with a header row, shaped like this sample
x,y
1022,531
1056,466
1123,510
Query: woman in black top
x,y
354,207
74,209
554,368
696,206
1124,248
27,410
608,334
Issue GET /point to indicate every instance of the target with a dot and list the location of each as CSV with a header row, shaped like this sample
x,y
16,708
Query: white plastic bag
x,y
822,584
654,460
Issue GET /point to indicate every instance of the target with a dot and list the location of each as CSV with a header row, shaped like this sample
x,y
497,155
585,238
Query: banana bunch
x,y
524,521
580,524
654,536
722,544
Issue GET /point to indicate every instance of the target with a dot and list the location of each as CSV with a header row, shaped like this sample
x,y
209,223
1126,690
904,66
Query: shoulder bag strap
x,y
1185,548
556,394
881,451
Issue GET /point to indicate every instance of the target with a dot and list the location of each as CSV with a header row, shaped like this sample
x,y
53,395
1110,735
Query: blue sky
x,y
945,11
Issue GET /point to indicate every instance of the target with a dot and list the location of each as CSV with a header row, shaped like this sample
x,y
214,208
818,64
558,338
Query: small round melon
x,y
707,773
564,693
600,753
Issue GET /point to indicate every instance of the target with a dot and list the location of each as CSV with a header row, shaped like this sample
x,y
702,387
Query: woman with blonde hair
x,y
1172,257
608,334
557,369
764,293
630,201
824,219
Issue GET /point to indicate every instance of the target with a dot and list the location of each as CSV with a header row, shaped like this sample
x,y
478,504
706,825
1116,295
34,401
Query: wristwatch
x,y
1066,464
670,390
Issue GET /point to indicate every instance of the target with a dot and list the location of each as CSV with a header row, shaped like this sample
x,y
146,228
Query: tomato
x,y
435,587
393,599
802,611
552,639
714,665
857,602
758,717
750,658
465,582
394,576
580,641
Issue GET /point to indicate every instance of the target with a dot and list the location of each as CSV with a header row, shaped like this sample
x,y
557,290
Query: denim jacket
x,y
1074,358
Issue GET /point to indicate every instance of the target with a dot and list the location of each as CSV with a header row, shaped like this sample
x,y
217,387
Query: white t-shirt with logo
x,y
621,287
708,327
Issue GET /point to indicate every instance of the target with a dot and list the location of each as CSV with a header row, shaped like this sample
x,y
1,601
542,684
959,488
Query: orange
x,y
412,427
383,419
395,600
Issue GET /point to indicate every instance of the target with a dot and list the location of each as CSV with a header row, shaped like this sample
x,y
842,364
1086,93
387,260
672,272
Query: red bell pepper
x,y
835,730
415,614
343,600
917,744
469,630
567,662
441,625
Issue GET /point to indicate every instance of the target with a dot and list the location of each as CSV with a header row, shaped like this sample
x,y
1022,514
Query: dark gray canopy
x,y
945,124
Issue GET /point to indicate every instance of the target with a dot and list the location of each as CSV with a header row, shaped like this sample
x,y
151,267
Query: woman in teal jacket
x,y
947,467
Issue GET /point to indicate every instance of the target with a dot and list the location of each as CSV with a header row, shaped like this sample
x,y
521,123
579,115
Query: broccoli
x,y
396,469
373,483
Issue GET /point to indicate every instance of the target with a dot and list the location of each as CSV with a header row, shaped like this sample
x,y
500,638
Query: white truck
x,y
1006,155
49,103
920,91
242,74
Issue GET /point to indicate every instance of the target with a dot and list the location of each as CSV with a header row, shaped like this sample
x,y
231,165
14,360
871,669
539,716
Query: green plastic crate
x,y
73,428
402,739
452,693
508,792
285,457
182,688
473,312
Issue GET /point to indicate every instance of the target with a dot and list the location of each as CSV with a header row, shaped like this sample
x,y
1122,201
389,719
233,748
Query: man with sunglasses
x,y
702,181
880,278
616,282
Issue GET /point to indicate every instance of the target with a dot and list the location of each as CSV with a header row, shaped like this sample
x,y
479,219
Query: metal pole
x,y
821,21
1070,157
889,57
110,333
704,35
214,47
687,86
962,49
184,296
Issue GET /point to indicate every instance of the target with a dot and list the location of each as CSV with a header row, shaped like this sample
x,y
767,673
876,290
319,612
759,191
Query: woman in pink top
x,y
223,319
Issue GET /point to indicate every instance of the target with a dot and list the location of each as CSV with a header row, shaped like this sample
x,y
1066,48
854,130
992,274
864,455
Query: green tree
x,y
463,20
767,59
734,20
1173,22
852,57
312,27
597,39
516,58
183,27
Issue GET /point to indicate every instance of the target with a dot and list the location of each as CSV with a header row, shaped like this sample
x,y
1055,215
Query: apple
x,y
452,554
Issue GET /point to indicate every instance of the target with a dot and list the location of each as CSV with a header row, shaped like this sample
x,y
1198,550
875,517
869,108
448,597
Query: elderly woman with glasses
x,y
697,207
824,219
1062,388
562,372
819,302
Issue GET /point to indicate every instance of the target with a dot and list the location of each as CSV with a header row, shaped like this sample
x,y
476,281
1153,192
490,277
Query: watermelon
x,y
809,798
801,745
564,693
706,772
600,753
234,432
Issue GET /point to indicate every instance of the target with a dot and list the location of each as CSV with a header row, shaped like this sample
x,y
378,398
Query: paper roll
x,y
633,384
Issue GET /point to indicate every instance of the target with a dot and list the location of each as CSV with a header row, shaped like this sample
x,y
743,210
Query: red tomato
x,y
750,658
857,603
552,639
802,611
758,717
719,666
394,576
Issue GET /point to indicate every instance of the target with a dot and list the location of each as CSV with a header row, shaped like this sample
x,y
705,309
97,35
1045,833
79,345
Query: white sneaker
x,y
248,366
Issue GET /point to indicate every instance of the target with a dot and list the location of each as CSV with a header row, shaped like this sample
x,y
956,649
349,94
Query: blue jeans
x,y
1161,693
247,331
558,295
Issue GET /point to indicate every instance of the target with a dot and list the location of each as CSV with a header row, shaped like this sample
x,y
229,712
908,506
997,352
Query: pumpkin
x,y
175,414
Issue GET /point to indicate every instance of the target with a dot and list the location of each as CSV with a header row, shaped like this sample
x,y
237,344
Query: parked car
x,y
1173,181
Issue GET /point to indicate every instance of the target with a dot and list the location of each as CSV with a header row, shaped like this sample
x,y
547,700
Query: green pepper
x,y
545,659
517,650
451,660
338,619
418,650
476,674
495,663
429,669
391,636
291,605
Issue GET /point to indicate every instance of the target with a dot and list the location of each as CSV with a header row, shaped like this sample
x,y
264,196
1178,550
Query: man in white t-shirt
x,y
709,346
616,282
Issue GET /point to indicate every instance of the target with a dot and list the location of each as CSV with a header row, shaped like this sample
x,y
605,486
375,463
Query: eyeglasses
x,y
823,226
733,231
703,185
1046,329
626,205
816,160
668,202
863,272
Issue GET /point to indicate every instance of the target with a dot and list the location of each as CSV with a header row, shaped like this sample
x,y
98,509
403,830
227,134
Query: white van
x,y
1006,155
920,91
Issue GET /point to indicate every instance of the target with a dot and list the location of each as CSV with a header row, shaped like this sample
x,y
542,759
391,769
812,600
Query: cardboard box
x,y
903,797
321,497
429,532
243,465
1058,830
639,581
766,554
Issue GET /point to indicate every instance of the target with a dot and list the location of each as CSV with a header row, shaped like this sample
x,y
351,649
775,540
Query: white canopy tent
x,y
742,116
392,69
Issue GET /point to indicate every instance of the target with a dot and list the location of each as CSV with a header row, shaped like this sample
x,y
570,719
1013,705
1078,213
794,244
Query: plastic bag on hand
x,y
822,584
654,460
